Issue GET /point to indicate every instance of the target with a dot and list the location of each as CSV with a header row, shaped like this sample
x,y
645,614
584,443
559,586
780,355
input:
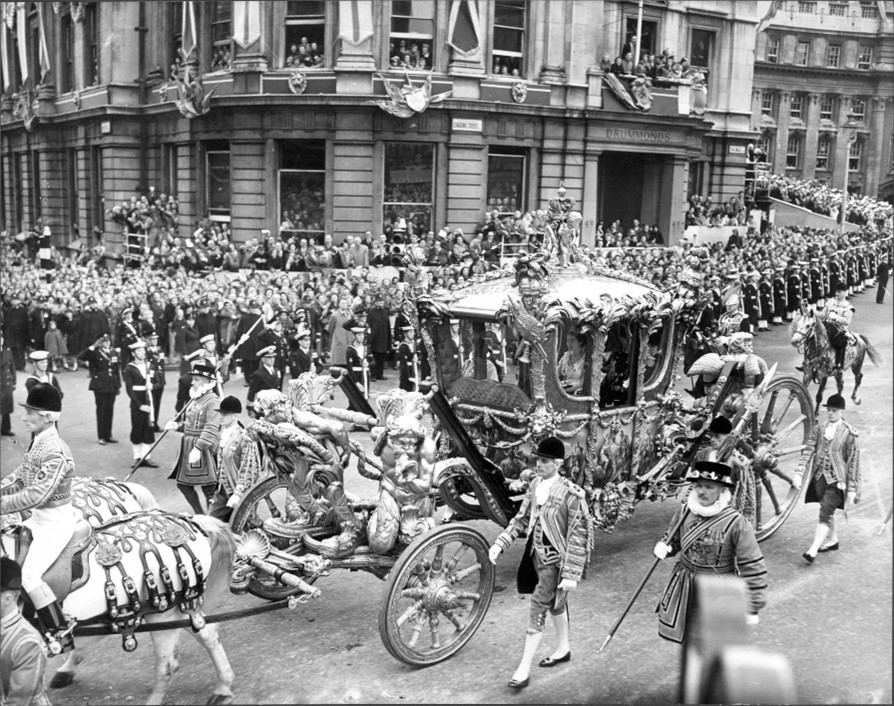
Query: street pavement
x,y
832,619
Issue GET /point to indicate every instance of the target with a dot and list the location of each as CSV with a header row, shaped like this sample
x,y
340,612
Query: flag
x,y
771,13
188,28
246,22
22,32
355,23
464,32
44,53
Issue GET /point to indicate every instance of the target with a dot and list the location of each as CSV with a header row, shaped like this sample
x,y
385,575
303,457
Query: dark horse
x,y
808,329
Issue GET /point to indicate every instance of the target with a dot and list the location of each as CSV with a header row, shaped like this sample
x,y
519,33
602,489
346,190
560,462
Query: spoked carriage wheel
x,y
265,500
457,494
436,595
778,433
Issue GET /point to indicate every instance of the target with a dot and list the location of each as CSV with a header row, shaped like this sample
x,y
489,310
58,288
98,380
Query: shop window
x,y
767,104
858,109
217,182
618,372
795,106
74,186
509,37
823,150
506,169
66,53
833,56
412,34
91,44
36,195
648,42
773,50
221,36
827,108
793,152
409,170
700,47
18,196
305,33
855,156
802,54
302,188
864,57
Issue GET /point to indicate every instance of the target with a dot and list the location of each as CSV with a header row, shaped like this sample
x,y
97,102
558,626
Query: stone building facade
x,y
824,75
278,110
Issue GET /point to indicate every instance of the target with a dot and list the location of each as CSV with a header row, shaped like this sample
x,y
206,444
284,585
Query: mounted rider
x,y
42,486
837,316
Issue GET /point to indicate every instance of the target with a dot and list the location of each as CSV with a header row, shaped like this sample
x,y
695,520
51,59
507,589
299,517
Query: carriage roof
x,y
569,285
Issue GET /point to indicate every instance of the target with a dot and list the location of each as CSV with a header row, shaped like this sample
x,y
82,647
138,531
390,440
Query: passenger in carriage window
x,y
572,363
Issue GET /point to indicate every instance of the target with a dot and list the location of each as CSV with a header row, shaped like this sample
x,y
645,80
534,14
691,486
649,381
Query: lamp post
x,y
850,134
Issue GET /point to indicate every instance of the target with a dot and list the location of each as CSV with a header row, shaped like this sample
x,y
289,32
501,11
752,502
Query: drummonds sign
x,y
637,135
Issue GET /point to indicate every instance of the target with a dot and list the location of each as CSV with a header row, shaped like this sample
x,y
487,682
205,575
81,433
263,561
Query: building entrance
x,y
635,186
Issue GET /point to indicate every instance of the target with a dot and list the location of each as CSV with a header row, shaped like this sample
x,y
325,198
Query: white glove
x,y
494,552
752,619
661,550
195,457
145,408
171,426
567,585
234,500
797,479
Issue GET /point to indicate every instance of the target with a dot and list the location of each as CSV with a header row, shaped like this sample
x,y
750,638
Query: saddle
x,y
70,571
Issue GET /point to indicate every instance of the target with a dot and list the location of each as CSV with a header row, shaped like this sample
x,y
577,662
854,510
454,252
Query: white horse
x,y
117,518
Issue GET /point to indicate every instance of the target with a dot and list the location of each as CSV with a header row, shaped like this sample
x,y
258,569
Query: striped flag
x,y
355,23
247,22
4,57
44,52
22,34
188,28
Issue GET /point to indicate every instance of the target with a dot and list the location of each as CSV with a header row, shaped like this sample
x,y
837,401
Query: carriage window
x,y
618,380
658,350
573,368
475,364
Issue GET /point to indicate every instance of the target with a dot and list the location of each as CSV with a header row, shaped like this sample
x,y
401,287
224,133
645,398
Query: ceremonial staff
x,y
226,358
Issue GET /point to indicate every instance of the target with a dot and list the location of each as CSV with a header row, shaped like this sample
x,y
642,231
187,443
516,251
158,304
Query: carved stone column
x,y
782,121
810,115
874,155
555,30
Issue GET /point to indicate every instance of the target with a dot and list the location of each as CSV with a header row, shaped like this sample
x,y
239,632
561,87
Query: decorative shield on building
x,y
297,82
519,91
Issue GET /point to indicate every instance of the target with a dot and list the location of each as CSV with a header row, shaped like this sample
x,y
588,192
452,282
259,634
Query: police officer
x,y
105,382
138,385
780,304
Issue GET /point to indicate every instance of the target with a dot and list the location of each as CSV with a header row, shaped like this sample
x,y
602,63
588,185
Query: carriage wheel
x,y
458,495
441,584
778,433
265,500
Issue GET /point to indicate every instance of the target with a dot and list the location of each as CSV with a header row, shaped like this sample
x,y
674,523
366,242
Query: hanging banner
x,y
188,28
247,22
4,57
22,32
355,23
44,52
463,30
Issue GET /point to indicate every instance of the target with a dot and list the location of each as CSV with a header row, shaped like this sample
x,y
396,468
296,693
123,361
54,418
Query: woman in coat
x,y
338,335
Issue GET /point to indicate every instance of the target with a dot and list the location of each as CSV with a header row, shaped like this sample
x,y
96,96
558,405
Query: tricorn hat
x,y
711,470
834,402
43,397
551,447
230,405
10,575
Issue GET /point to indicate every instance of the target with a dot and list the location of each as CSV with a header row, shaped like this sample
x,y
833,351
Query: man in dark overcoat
x,y
105,382
379,336
17,330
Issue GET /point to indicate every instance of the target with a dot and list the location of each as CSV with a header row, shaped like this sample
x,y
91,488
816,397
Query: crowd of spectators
x,y
659,68
703,211
304,54
821,198
405,54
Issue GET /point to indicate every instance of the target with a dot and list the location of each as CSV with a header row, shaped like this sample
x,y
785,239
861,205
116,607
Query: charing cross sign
x,y
639,135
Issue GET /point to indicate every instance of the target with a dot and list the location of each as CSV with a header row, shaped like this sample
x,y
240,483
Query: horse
x,y
114,516
809,331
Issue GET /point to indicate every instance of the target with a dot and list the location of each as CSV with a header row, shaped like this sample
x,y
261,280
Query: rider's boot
x,y
56,627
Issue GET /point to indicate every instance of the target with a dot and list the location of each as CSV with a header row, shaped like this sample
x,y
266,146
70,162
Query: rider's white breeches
x,y
52,529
